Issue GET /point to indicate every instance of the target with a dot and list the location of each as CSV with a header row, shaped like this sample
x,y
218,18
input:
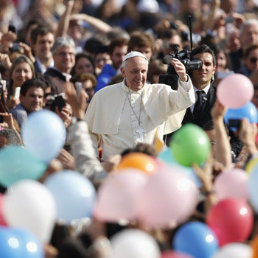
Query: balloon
x,y
190,144
235,90
28,204
232,183
17,163
43,133
16,243
248,111
74,194
196,239
2,219
252,188
234,250
254,245
231,220
134,243
32,248
140,161
118,195
167,157
168,198
251,165
173,254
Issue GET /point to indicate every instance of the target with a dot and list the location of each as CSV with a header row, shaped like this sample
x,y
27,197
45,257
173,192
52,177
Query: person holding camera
x,y
124,114
200,112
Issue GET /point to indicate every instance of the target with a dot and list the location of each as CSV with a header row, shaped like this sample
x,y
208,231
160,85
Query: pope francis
x,y
121,115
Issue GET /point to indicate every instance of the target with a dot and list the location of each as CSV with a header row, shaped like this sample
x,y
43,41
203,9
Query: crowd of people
x,y
125,77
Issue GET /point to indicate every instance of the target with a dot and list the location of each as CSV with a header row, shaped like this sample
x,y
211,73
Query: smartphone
x,y
235,123
60,102
78,87
12,28
17,92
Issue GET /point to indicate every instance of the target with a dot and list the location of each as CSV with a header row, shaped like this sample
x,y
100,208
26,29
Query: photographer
x,y
205,92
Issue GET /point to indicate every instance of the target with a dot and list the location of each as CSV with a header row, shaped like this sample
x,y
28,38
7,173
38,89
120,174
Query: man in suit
x,y
200,112
42,39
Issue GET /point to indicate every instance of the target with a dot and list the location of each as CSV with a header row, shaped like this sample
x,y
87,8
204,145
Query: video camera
x,y
171,78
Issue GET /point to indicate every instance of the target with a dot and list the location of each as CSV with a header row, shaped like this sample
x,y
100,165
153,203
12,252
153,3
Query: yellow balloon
x,y
251,164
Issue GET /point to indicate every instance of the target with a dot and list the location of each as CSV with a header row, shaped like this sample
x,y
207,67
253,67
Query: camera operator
x,y
205,92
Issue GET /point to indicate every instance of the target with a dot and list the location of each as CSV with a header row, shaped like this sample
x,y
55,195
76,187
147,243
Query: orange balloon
x,y
138,161
254,245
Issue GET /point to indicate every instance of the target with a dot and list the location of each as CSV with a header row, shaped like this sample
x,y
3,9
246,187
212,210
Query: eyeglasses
x,y
63,54
90,89
253,60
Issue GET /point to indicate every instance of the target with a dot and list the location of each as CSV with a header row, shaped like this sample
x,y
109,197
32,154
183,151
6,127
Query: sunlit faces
x,y
21,73
33,99
43,45
135,72
249,36
88,87
64,58
117,55
252,60
83,65
202,77
221,61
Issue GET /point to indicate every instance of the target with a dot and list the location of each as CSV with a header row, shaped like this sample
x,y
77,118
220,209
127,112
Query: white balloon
x,y
29,204
134,243
234,250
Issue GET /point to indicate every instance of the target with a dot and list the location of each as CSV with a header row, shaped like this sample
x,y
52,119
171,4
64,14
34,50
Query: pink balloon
x,y
235,91
173,254
168,198
232,183
117,196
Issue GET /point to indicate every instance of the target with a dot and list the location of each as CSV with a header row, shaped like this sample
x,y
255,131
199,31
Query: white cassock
x,y
121,118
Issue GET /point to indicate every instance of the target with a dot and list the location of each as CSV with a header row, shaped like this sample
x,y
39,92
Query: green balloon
x,y
190,145
17,163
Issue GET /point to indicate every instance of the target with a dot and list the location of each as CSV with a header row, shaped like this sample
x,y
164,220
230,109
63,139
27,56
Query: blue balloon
x,y
167,157
248,111
252,187
31,246
17,163
196,239
74,194
43,133
17,243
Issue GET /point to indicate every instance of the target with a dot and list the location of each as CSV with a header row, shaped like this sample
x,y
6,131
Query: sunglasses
x,y
253,60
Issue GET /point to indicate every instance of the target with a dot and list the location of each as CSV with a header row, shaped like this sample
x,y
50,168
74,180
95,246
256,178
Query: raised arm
x,y
63,23
95,23
222,145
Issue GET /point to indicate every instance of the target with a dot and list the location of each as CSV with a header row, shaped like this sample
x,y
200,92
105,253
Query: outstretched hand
x,y
78,103
180,69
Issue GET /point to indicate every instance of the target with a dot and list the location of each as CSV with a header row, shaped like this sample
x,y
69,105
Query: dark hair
x,y
140,39
94,45
84,77
249,50
79,56
36,82
203,49
41,30
118,42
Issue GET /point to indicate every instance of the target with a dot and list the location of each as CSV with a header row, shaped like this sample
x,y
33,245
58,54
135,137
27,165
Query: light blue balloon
x,y
17,163
248,111
167,157
252,187
17,243
74,194
196,239
43,133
